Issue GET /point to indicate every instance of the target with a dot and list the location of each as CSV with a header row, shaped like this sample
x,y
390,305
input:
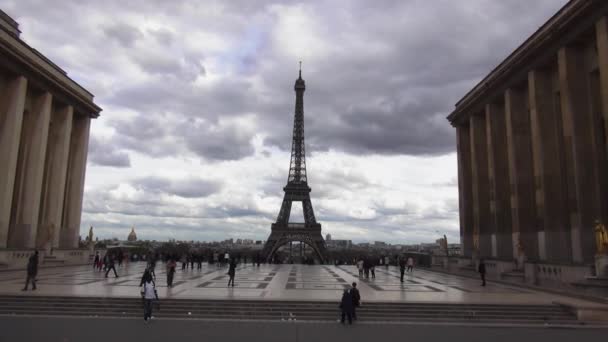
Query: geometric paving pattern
x,y
276,282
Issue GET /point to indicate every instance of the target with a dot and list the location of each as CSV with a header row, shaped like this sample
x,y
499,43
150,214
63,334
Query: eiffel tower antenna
x,y
297,189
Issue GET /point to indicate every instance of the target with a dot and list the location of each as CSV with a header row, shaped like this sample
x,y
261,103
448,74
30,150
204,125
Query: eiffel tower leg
x,y
285,211
309,214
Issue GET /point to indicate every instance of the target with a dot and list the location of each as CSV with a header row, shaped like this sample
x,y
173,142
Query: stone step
x,y
282,310
257,315
301,311
59,308
283,306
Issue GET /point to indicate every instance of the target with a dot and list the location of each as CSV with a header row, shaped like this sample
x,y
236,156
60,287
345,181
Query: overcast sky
x,y
194,139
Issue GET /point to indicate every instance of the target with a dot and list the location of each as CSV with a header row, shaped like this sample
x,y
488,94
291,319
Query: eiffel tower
x,y
297,189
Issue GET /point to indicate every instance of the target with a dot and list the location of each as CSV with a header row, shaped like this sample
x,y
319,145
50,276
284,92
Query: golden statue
x,y
601,238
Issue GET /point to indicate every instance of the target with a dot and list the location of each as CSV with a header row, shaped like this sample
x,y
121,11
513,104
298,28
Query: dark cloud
x,y
103,153
124,33
187,188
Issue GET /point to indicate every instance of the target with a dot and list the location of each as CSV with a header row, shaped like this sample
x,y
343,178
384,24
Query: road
x,y
66,329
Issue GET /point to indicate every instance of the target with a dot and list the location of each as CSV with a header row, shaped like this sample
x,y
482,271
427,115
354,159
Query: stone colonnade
x,y
533,161
43,151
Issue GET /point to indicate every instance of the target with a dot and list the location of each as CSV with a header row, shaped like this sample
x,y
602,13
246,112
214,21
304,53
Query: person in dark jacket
x,y
171,264
346,305
482,272
402,267
354,292
110,266
96,261
231,272
32,271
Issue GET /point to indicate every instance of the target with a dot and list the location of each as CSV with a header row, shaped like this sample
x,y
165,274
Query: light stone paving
x,y
278,282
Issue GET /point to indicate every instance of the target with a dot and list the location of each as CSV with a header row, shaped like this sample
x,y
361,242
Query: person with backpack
x,y
148,294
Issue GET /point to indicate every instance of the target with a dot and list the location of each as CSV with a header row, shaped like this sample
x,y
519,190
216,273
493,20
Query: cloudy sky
x,y
194,139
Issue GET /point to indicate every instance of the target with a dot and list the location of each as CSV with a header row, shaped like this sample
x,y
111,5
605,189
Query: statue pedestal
x,y
601,265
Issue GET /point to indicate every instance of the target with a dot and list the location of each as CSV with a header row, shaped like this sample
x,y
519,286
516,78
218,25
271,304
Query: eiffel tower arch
x,y
297,189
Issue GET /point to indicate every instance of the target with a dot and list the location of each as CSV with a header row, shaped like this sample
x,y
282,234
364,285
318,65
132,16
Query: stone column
x,y
54,177
12,102
498,172
550,190
464,189
521,173
72,204
480,185
576,108
601,29
30,170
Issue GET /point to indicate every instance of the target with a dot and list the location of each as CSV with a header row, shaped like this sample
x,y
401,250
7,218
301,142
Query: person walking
x,y
96,261
402,267
410,264
372,268
149,294
32,271
147,274
231,272
120,257
110,266
482,272
354,292
360,267
171,264
346,305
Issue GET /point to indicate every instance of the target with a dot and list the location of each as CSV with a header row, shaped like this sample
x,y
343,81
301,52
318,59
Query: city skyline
x,y
194,139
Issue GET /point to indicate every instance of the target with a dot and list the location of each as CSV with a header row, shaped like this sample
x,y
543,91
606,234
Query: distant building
x,y
132,236
327,237
346,244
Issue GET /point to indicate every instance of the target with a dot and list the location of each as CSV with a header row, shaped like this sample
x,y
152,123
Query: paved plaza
x,y
279,282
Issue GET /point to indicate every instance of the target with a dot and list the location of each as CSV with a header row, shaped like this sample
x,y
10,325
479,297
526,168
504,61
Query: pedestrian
x,y
106,259
120,257
372,268
148,294
171,264
366,267
110,266
346,305
482,272
410,264
152,266
354,292
32,271
96,261
360,267
231,272
402,267
184,262
199,262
